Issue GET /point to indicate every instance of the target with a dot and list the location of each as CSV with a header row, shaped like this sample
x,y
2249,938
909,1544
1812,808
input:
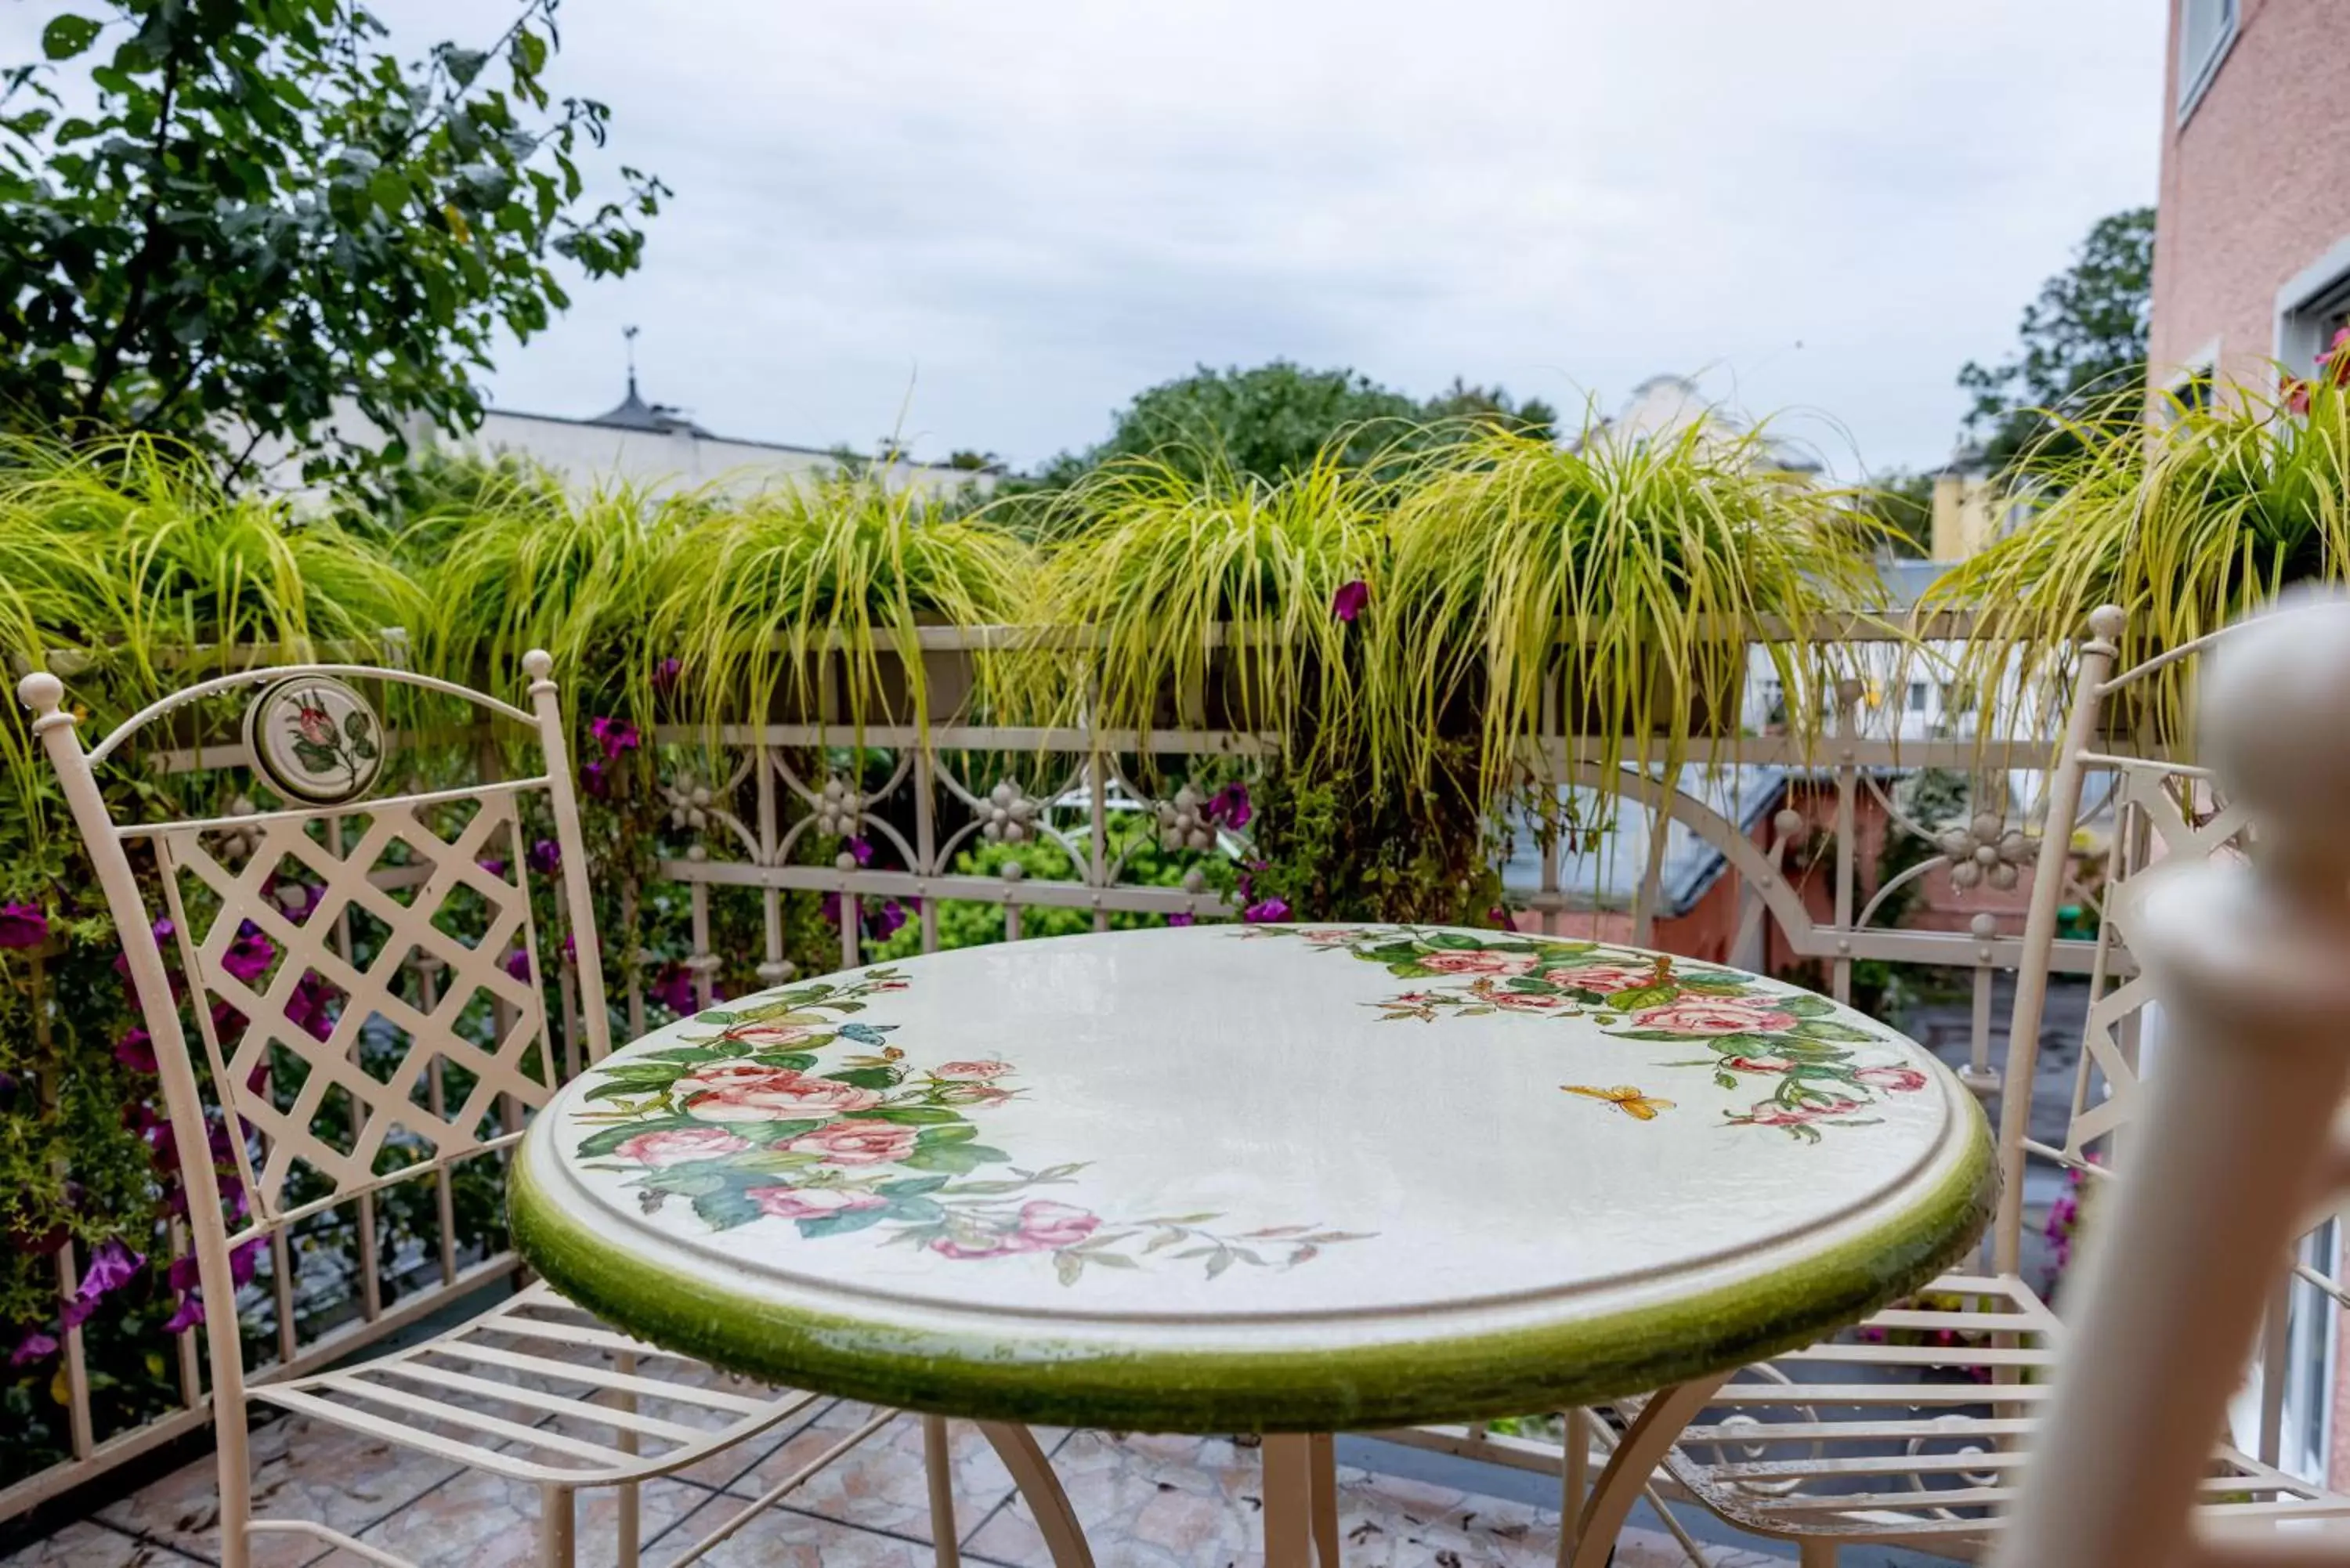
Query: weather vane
x,y
629,333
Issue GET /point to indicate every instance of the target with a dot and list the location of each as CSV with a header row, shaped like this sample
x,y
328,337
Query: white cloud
x,y
1028,210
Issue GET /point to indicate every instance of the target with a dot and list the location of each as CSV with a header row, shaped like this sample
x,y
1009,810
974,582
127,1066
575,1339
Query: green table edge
x,y
1442,1378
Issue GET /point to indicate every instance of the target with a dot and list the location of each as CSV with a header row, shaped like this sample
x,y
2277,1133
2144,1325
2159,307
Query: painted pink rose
x,y
1892,1080
1326,938
746,1092
856,1142
1772,1114
1757,1064
811,1202
679,1145
1042,1226
1476,962
1604,978
1529,1001
769,1036
970,1095
1716,1015
1052,1226
972,1070
317,725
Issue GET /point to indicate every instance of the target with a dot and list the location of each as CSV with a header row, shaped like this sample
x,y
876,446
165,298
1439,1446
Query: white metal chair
x,y
1910,1428
2242,1136
326,1072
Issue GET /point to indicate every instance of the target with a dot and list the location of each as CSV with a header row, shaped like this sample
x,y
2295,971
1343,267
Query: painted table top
x,y
1267,1178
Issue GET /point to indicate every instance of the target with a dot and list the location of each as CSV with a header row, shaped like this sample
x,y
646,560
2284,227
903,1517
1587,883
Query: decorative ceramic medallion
x,y
1308,1178
315,739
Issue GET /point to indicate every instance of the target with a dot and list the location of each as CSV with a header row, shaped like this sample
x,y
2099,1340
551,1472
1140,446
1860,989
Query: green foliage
x,y
1338,843
1215,589
1280,418
964,924
2082,354
1508,547
260,211
2185,521
749,597
1898,507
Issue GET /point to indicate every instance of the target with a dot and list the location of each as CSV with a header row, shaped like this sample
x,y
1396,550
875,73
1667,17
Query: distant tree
x,y
241,212
977,462
2082,345
1902,502
1272,419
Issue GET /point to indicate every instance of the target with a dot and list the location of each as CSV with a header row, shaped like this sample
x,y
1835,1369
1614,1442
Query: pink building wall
x,y
2255,184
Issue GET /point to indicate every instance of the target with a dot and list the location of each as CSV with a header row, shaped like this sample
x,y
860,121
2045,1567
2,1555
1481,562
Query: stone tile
x,y
90,1545
483,1521
1184,1502
779,1537
302,1469
882,1484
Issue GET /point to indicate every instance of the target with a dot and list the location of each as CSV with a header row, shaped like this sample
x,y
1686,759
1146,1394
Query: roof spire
x,y
629,335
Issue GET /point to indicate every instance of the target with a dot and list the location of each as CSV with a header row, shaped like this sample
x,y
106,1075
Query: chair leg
x,y
938,1463
630,1526
1288,1500
1574,1478
556,1523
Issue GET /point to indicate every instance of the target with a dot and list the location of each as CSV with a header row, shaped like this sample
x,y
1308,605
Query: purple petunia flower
x,y
35,1346
546,857
674,988
1350,599
136,1051
249,957
862,849
1181,918
665,675
617,736
1229,805
492,865
884,922
23,926
518,964
1265,910
111,1268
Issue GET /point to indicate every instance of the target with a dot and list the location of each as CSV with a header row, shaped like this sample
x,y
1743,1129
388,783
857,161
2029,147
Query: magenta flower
x,y
1266,910
1180,917
617,736
34,1346
1229,805
1350,599
111,1267
492,865
543,856
23,926
188,1314
518,964
674,988
249,957
665,675
136,1051
862,850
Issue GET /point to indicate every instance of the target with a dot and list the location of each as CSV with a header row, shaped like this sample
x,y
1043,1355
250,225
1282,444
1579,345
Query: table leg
x,y
1652,1435
1032,1473
1326,1499
1288,1500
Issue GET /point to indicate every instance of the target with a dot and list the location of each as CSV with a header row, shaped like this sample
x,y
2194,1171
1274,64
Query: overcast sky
x,y
1006,218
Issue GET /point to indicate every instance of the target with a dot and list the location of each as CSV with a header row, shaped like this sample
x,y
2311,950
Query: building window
x,y
2206,29
2306,331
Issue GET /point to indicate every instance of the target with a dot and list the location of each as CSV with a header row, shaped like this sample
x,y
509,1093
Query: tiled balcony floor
x,y
1147,1502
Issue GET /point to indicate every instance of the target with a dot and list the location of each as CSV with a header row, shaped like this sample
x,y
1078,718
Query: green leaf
x,y
717,1016
916,1210
913,1115
1804,1006
866,1077
953,1158
1641,997
725,1208
841,1223
797,1061
1828,1029
778,1132
957,1131
1068,1267
67,37
910,1186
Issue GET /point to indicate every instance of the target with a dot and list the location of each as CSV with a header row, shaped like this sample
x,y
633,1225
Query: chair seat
x,y
539,1390
1912,1428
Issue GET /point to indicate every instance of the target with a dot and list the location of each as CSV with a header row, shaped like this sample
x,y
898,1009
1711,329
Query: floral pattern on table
x,y
1813,1062
759,1119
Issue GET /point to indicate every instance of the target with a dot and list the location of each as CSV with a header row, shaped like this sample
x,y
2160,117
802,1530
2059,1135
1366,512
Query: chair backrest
x,y
362,969
2154,810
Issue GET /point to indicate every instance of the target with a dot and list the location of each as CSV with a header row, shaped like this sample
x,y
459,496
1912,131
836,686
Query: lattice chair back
x,y
2156,810
335,950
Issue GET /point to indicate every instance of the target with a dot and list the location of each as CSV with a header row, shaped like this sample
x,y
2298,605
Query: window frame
x,y
2195,78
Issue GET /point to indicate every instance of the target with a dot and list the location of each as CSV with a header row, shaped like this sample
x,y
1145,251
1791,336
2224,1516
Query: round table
x,y
1290,1180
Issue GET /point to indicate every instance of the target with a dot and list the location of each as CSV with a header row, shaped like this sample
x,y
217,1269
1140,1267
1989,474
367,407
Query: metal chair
x,y
2242,1138
1911,1429
325,1073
